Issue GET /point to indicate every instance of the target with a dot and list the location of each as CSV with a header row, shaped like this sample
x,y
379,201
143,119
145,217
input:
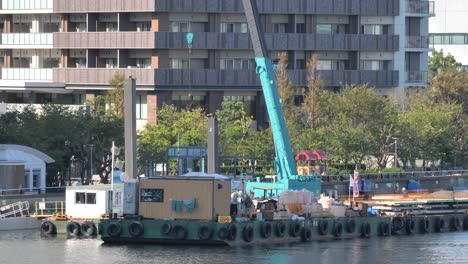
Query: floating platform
x,y
256,232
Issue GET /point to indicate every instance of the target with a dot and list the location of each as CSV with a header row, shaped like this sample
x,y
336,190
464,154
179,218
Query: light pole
x,y
90,146
396,151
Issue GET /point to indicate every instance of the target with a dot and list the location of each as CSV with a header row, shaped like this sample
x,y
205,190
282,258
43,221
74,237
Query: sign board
x,y
186,152
42,205
356,184
224,219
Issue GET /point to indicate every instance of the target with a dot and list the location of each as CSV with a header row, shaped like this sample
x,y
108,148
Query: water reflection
x,y
29,247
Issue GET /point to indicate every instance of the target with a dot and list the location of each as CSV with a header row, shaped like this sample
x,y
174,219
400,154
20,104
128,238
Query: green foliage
x,y
438,61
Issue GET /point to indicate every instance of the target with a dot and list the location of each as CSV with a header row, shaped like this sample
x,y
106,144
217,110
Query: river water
x,y
20,247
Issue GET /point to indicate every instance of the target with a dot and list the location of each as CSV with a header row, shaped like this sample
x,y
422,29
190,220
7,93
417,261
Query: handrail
x,y
31,191
12,210
396,175
47,209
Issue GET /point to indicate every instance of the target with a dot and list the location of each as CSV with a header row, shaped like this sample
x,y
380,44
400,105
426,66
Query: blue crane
x,y
284,162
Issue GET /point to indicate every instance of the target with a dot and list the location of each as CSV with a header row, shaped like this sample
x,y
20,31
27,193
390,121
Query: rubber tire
x,y
88,229
384,229
48,228
205,232
439,225
222,233
280,229
425,225
365,230
337,230
306,234
232,232
140,229
265,230
410,225
323,227
398,224
180,232
456,224
295,229
351,226
248,233
166,228
114,229
73,229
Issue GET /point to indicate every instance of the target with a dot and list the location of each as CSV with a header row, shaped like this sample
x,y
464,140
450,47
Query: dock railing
x,y
49,209
18,209
32,191
396,175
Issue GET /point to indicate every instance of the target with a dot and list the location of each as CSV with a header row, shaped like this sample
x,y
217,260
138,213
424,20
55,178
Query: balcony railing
x,y
27,39
417,42
416,77
26,4
26,74
421,7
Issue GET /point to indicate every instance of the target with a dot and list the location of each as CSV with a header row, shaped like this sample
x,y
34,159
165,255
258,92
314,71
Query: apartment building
x,y
448,31
65,52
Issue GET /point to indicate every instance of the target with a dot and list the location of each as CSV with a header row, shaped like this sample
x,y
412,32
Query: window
x,y
233,28
111,27
180,64
300,28
85,198
180,26
143,26
141,107
324,29
300,64
374,65
143,63
324,65
372,29
111,63
237,64
90,198
279,27
152,195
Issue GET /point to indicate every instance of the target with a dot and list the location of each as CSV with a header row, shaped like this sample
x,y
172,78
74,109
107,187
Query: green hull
x,y
270,232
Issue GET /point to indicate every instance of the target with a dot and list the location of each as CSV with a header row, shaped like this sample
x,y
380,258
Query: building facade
x,y
65,52
447,30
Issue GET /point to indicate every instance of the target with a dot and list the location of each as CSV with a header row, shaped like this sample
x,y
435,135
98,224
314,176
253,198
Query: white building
x,y
92,201
23,167
448,30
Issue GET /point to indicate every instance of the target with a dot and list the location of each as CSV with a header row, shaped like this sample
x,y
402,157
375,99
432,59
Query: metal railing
x,y
31,191
27,39
26,4
396,175
48,209
416,77
18,209
27,74
421,7
417,42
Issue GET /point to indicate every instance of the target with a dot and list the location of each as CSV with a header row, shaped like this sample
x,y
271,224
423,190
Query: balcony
x,y
328,7
339,42
91,6
104,40
421,7
100,76
417,42
25,5
207,79
416,77
27,39
26,74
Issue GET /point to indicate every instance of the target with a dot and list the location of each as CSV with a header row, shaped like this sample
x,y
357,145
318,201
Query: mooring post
x,y
130,128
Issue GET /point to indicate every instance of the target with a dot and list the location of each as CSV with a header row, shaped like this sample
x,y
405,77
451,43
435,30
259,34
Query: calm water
x,y
29,247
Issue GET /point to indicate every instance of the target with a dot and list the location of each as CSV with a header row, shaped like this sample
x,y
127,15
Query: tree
x,y
438,61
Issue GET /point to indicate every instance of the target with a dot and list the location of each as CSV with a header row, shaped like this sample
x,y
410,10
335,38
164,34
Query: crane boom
x,y
285,163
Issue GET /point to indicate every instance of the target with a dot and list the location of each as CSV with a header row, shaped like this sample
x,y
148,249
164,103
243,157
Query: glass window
x,y
152,195
279,27
372,29
324,65
180,26
179,64
90,198
141,107
300,28
324,29
80,198
458,40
